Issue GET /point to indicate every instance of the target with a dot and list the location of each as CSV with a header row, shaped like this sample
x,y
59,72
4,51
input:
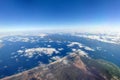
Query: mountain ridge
x,y
75,66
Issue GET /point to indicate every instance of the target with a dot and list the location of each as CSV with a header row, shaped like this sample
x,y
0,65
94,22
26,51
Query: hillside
x,y
71,67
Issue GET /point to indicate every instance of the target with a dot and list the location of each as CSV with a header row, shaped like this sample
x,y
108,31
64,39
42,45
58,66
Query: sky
x,y
55,14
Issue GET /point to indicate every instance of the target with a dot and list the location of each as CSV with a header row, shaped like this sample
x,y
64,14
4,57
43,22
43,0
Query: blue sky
x,y
19,14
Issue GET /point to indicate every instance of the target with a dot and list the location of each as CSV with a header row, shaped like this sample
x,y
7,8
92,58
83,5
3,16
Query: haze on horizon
x,y
67,15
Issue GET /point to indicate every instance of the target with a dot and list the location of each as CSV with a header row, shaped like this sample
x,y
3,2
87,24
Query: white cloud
x,y
80,46
80,52
48,45
22,39
108,38
64,61
75,43
55,58
58,41
25,39
18,39
42,35
60,49
22,47
20,51
73,49
88,48
30,52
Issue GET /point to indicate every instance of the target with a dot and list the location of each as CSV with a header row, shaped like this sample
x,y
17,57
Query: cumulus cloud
x,y
75,43
20,51
88,48
48,45
80,52
55,58
80,46
30,52
74,49
60,49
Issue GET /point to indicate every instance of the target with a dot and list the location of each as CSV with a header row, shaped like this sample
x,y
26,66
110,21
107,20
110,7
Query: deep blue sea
x,y
11,63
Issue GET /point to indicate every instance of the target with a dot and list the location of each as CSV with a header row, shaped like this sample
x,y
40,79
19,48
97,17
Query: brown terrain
x,y
71,67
